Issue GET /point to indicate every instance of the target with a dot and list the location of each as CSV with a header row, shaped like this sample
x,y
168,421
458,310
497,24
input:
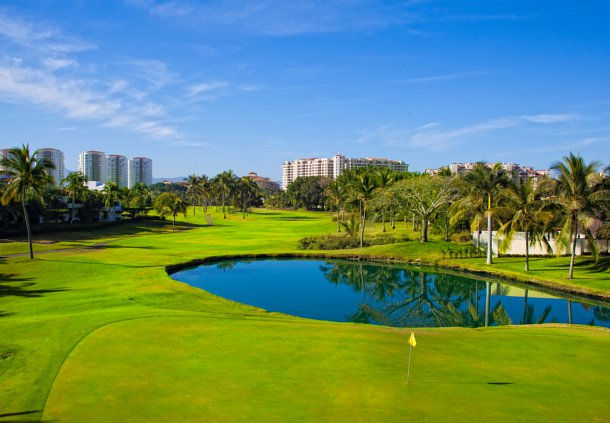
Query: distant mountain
x,y
172,179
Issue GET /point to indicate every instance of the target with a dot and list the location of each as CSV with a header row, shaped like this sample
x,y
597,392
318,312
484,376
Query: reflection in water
x,y
388,295
401,297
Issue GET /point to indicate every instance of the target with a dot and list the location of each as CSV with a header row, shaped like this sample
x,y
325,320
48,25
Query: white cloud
x,y
443,140
206,87
35,74
444,77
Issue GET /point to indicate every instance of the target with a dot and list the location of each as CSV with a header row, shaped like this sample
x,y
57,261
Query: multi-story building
x,y
332,167
117,169
518,171
140,170
265,184
93,165
56,157
4,154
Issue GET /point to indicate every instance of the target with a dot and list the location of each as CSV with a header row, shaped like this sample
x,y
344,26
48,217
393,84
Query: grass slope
x,y
126,342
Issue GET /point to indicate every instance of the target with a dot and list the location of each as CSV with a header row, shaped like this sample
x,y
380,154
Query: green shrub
x,y
343,241
462,237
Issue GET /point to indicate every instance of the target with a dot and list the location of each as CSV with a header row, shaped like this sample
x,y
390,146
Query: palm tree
x,y
363,187
140,196
28,177
485,182
247,189
385,178
175,207
225,182
76,184
194,190
581,195
111,194
524,200
335,193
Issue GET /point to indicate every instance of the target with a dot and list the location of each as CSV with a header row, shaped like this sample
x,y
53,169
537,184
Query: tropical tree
x,y
29,176
426,196
579,191
385,178
225,182
194,190
362,187
335,195
140,197
75,186
170,204
111,194
247,190
530,213
484,184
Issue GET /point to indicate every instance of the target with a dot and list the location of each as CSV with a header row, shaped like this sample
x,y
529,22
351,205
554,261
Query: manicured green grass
x,y
127,343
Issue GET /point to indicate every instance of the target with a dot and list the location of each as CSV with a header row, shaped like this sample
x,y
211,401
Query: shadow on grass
x,y
22,289
19,413
127,266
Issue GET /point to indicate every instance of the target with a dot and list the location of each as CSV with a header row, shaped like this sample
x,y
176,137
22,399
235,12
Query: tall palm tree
x,y
247,190
175,207
29,176
194,190
75,186
485,182
225,182
363,188
580,193
335,193
385,178
525,202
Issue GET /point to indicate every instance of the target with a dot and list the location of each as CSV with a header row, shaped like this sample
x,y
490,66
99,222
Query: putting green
x,y
276,369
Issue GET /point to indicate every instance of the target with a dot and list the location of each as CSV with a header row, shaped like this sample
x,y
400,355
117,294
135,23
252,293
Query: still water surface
x,y
348,291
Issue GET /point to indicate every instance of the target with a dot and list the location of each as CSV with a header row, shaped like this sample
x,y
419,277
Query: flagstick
x,y
409,366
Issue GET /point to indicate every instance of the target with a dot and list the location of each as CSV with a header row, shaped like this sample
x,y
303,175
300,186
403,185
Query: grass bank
x,y
106,334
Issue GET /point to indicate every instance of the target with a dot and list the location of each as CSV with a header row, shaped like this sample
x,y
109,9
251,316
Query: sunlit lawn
x,y
106,335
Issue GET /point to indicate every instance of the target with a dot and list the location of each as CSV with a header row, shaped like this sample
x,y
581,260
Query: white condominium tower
x,y
117,169
56,157
93,165
332,167
140,170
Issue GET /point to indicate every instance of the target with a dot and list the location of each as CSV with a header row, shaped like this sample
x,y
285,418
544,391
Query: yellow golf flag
x,y
412,340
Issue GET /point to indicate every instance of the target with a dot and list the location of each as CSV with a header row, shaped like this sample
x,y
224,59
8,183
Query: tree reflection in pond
x,y
406,296
411,297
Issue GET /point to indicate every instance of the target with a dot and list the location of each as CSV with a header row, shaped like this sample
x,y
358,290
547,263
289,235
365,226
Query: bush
x,y
344,241
462,237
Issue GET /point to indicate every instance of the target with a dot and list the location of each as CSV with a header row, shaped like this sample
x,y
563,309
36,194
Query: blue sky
x,y
205,86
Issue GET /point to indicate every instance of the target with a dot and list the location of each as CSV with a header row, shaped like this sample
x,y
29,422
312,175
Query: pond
x,y
403,296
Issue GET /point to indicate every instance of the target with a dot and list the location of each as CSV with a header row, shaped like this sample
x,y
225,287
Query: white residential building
x,y
332,167
4,154
519,172
117,170
140,170
93,165
56,157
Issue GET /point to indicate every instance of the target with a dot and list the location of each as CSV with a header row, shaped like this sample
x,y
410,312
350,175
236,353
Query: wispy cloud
x,y
568,146
442,140
429,137
34,74
279,17
205,87
444,77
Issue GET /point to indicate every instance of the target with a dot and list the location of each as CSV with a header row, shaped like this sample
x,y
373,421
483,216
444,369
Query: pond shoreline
x,y
548,286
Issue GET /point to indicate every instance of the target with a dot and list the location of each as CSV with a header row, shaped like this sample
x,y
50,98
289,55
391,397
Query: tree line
x,y
29,190
487,198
